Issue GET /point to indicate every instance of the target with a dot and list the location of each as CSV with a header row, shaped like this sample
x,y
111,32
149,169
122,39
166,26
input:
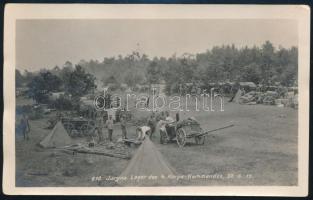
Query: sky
x,y
47,43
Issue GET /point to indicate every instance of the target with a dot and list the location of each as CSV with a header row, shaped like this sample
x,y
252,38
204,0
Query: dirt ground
x,y
261,149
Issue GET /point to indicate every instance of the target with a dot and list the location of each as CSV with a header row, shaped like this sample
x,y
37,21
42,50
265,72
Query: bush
x,y
63,103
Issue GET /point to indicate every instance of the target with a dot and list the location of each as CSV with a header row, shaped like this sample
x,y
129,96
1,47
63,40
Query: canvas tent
x,y
237,96
58,137
148,161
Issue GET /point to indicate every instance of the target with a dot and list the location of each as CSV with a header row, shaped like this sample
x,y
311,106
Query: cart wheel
x,y
200,139
181,137
73,133
162,137
84,130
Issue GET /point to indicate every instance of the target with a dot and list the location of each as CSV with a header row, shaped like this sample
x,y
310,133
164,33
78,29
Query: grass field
x,y
261,149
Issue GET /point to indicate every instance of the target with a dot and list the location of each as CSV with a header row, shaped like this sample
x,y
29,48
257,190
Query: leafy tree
x,y
267,60
221,63
68,64
289,75
110,80
79,82
251,73
264,64
19,79
42,84
56,70
65,75
187,69
133,78
28,76
154,73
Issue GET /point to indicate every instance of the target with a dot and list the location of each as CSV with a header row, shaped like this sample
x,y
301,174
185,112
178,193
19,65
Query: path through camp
x,y
259,150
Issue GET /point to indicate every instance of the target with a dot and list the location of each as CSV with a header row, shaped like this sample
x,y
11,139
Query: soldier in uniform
x,y
99,125
109,125
152,124
24,125
123,126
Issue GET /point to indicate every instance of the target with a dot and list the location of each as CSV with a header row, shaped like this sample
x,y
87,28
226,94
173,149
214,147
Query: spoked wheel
x,y
74,133
163,138
181,137
200,139
85,129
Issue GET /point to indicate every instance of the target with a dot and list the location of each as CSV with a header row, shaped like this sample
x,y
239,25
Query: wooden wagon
x,y
186,131
78,127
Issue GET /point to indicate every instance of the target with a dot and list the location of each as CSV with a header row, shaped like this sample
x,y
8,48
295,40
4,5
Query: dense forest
x,y
262,65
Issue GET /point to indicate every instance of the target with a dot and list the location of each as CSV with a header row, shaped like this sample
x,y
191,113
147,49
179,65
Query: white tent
x,y
58,137
148,162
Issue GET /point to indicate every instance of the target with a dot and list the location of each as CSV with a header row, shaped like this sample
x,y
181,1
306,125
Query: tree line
x,y
74,82
265,65
261,65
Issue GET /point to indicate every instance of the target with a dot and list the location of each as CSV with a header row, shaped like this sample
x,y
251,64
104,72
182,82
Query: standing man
x,y
123,126
99,125
168,118
160,127
147,102
180,89
109,125
152,124
25,128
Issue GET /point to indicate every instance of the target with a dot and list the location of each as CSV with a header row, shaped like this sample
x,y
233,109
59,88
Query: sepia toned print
x,y
161,104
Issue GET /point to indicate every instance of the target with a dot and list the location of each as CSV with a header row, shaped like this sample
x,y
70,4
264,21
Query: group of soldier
x,y
155,123
102,123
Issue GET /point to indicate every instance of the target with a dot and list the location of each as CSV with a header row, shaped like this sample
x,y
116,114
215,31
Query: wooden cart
x,y
78,127
186,131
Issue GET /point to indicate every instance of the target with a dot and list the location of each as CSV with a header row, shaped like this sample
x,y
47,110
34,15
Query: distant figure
x,y
180,89
168,118
123,127
24,125
109,125
152,124
160,127
193,90
177,116
285,92
147,102
94,134
107,100
162,116
99,124
198,91
185,89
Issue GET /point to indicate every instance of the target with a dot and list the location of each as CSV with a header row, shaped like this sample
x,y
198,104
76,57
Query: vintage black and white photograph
x,y
175,102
